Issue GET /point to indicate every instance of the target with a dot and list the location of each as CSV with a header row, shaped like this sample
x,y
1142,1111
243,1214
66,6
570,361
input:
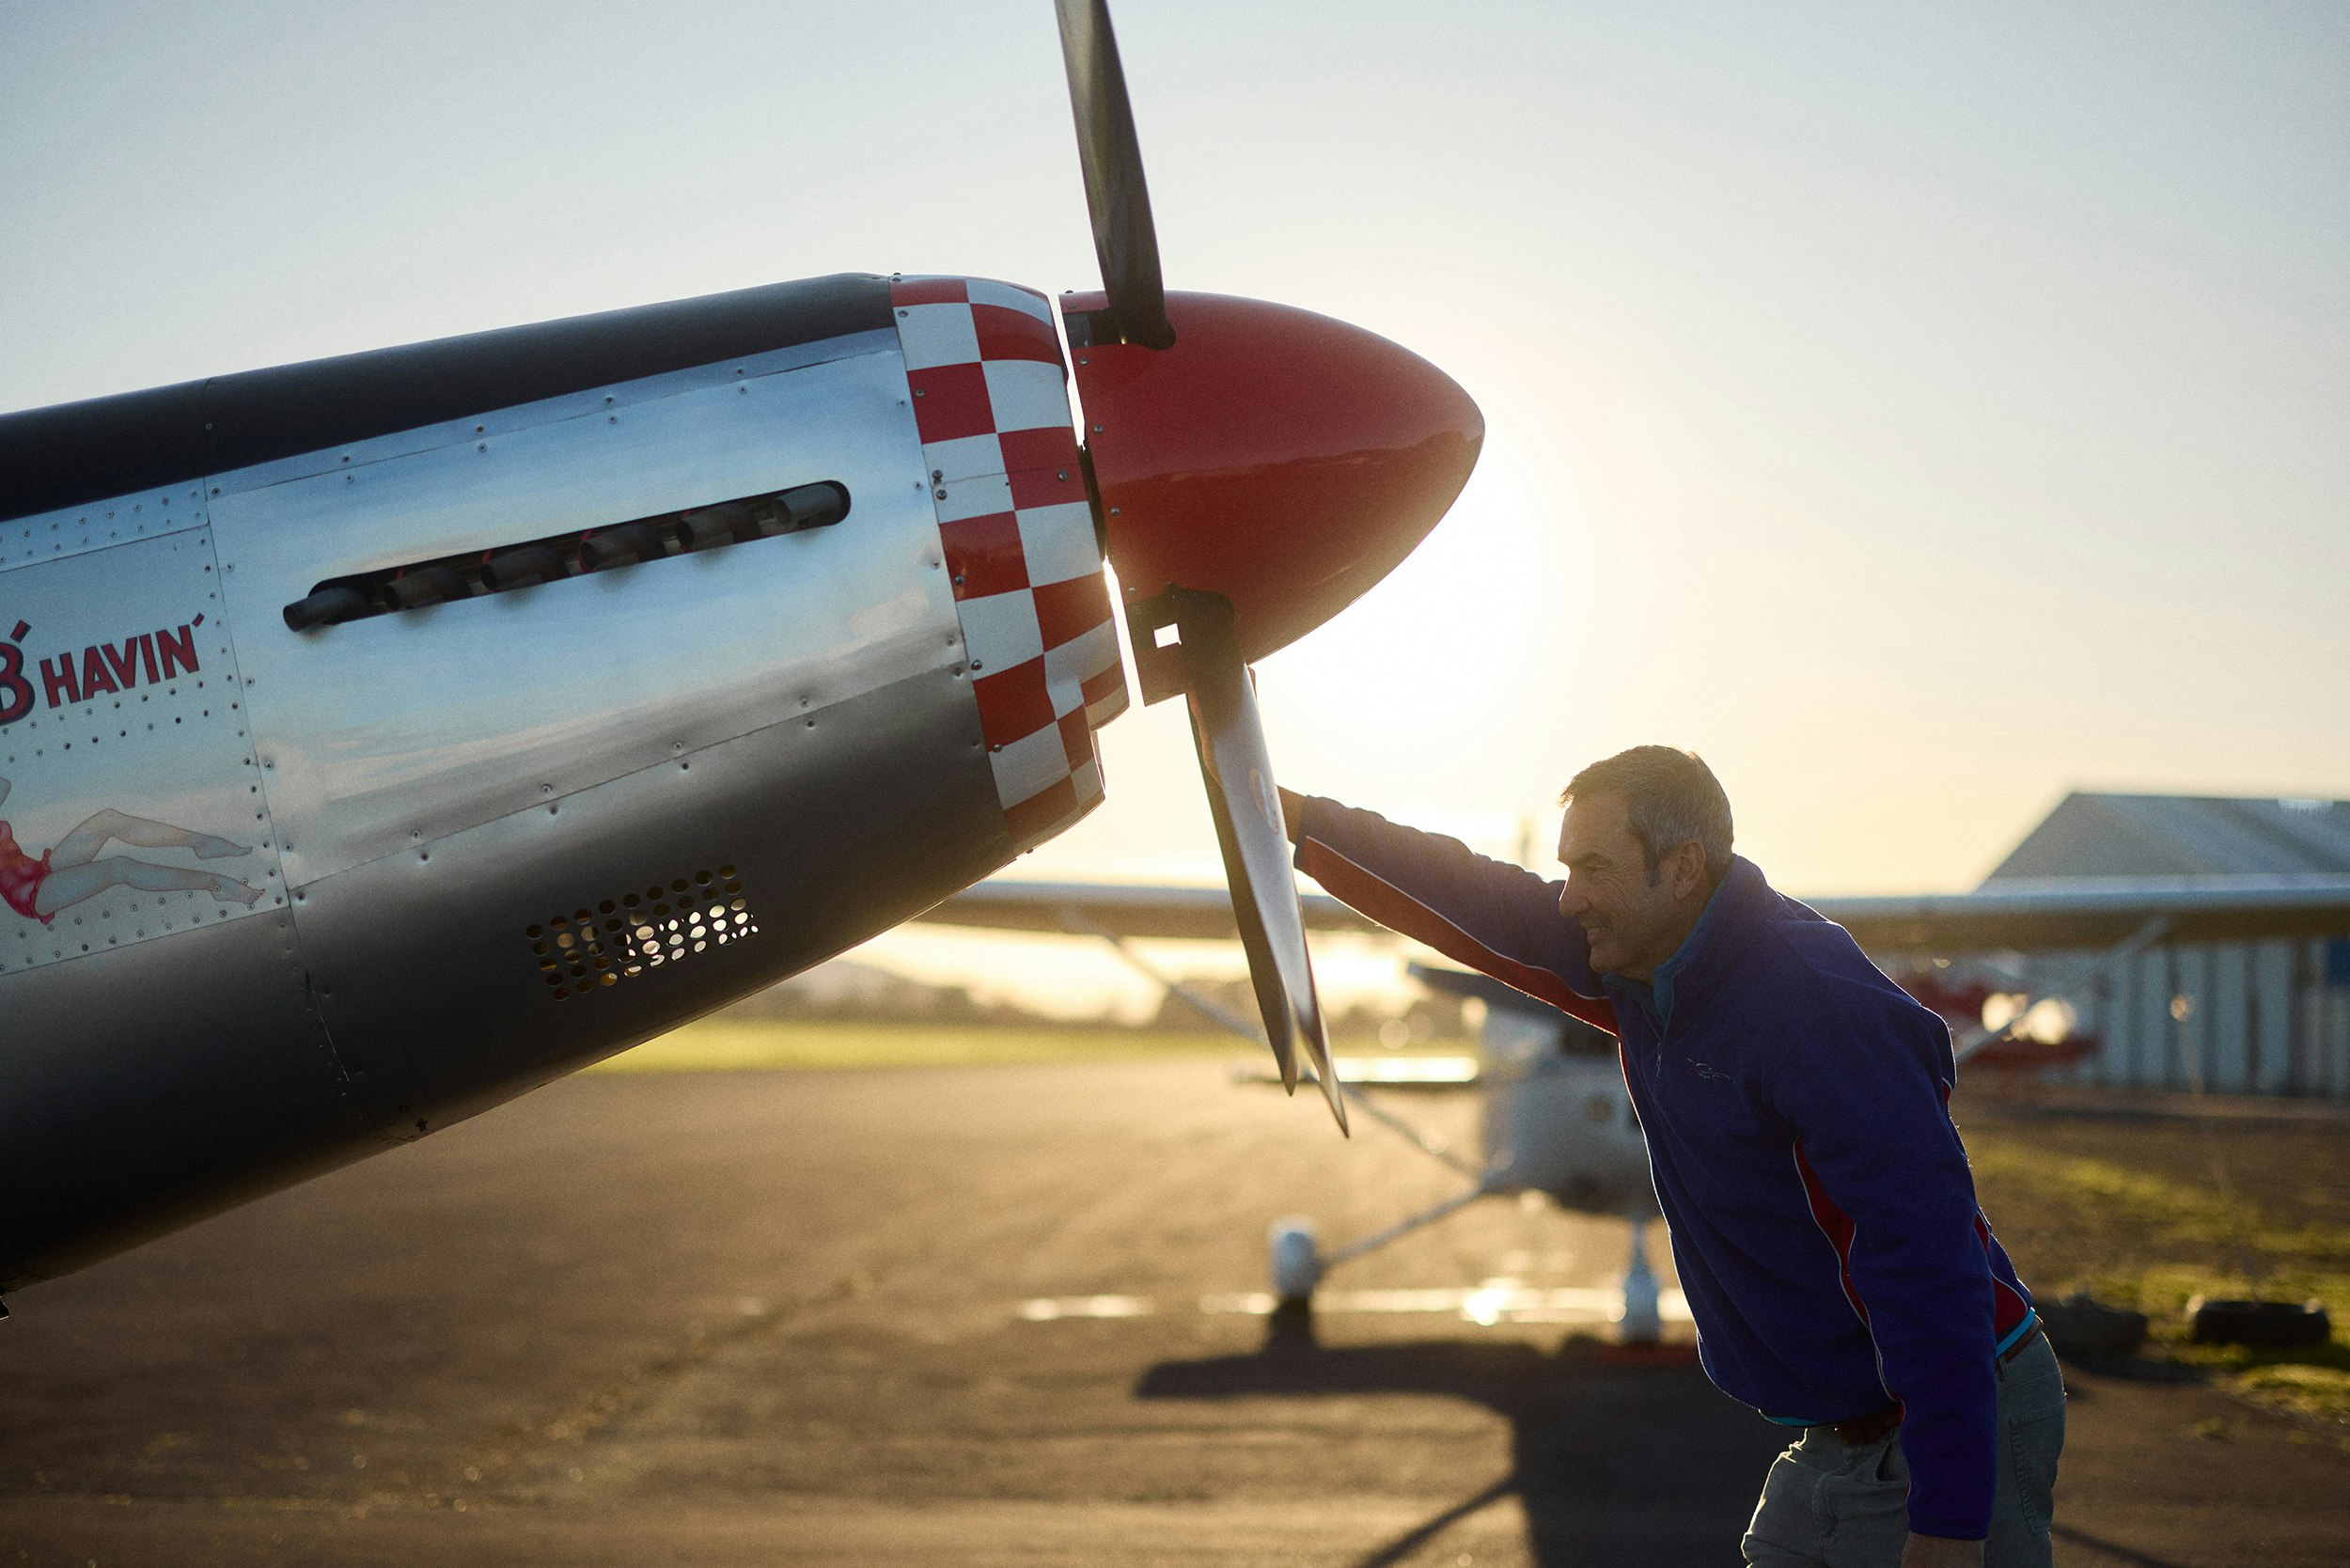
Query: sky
x,y
1919,411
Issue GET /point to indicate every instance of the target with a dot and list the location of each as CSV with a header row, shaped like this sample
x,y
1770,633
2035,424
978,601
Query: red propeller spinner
x,y
1278,458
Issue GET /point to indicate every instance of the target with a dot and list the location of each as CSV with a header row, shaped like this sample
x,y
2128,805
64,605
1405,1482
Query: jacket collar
x,y
1689,973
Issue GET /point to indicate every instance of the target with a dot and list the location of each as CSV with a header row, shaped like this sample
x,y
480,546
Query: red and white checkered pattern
x,y
991,404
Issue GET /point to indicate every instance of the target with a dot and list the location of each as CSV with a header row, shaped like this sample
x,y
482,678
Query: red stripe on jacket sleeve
x,y
1370,894
1834,1224
2008,1308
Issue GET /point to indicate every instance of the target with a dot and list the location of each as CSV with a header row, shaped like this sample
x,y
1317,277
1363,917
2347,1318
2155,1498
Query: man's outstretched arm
x,y
1496,917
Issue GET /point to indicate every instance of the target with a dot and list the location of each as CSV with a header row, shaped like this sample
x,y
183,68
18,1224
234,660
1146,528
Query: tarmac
x,y
779,1318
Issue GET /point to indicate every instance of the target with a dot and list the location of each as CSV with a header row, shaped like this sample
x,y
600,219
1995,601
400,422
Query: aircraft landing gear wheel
x,y
1296,1262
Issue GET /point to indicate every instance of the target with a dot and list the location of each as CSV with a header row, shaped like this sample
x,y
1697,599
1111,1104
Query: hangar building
x,y
2239,1018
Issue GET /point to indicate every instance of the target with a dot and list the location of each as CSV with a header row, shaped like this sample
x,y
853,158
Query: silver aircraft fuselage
x,y
281,898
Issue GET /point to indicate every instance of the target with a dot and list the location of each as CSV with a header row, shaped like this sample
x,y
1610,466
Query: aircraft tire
x,y
1296,1261
2264,1325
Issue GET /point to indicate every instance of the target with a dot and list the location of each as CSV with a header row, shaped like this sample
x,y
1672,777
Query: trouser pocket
x,y
1785,1530
2031,1426
1823,1504
2031,1435
1866,1507
2033,1447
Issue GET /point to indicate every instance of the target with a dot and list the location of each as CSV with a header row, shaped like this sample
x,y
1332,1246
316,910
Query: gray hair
x,y
1672,798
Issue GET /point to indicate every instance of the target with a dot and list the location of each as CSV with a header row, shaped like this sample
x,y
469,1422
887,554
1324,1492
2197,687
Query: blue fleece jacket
x,y
1823,1216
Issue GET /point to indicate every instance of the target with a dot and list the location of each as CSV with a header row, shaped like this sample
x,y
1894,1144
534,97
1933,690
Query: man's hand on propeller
x,y
1293,813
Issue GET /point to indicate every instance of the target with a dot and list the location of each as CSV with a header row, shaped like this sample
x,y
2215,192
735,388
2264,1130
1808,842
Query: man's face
x,y
1633,923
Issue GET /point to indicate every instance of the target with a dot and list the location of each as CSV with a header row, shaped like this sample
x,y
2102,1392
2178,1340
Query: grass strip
x,y
760,1045
2135,1238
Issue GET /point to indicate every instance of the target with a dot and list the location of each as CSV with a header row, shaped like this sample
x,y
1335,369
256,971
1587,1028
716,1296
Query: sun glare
x,y
1443,632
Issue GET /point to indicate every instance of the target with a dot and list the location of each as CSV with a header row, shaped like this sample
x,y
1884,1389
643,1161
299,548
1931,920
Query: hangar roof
x,y
2102,836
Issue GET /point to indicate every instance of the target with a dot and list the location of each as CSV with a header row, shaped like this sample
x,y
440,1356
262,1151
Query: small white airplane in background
x,y
1558,1119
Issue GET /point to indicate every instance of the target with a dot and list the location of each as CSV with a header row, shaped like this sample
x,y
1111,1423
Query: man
x,y
1824,1220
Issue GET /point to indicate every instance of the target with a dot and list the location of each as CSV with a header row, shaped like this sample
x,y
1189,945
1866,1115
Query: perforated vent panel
x,y
634,934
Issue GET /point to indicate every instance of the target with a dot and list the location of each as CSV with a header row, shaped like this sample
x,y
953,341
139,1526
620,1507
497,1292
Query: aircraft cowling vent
x,y
623,938
420,584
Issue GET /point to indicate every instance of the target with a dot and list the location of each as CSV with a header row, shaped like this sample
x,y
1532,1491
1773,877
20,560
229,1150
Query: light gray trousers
x,y
1827,1504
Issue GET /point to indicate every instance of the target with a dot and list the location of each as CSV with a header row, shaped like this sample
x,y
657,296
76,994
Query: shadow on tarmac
x,y
1610,1463
2112,1549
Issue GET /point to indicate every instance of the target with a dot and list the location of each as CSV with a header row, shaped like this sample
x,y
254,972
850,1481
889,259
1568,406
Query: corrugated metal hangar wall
x,y
2235,1017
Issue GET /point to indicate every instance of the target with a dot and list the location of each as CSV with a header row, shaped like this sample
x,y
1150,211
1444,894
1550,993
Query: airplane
x,y
385,736
1558,1119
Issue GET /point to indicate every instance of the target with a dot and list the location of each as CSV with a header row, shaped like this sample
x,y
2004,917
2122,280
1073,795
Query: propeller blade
x,y
1123,239
1248,811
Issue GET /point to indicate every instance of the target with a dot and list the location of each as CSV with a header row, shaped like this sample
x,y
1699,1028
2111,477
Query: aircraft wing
x,y
1120,909
2027,914
2018,914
